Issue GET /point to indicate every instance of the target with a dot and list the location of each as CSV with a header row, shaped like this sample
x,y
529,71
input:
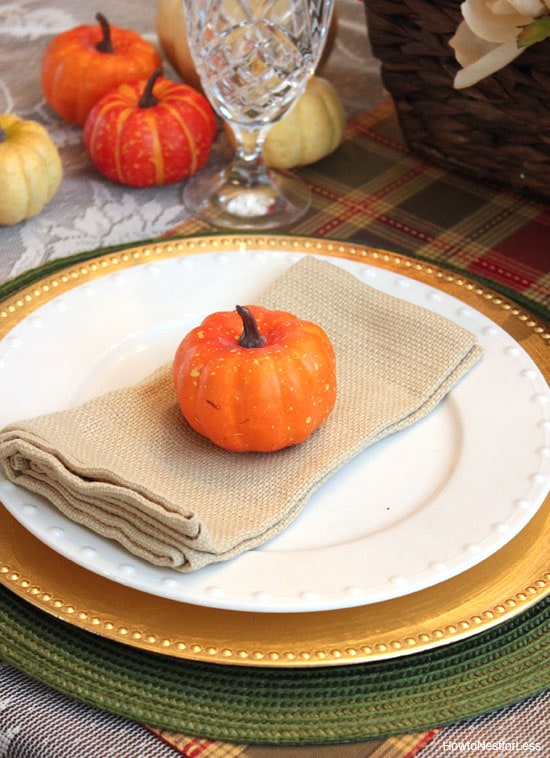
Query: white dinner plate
x,y
415,509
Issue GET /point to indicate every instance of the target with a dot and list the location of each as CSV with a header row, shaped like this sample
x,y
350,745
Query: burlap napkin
x,y
127,465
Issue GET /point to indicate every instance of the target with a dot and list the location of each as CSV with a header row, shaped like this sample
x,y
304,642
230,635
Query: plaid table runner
x,y
404,746
373,191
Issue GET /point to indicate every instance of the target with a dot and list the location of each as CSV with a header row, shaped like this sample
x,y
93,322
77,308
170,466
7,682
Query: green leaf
x,y
537,31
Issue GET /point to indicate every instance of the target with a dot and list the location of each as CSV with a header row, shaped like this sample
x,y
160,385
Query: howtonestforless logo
x,y
479,746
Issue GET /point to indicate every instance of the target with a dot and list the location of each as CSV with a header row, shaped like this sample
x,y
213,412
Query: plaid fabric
x,y
373,191
193,747
402,746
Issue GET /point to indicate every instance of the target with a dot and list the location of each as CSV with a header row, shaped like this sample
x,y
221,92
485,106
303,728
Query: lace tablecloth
x,y
89,213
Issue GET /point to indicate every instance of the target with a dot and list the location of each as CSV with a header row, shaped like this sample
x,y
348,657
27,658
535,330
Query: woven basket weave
x,y
498,130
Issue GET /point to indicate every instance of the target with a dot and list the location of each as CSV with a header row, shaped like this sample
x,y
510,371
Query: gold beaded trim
x,y
521,601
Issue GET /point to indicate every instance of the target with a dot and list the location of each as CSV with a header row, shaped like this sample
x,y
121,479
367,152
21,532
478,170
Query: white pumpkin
x,y
312,129
30,169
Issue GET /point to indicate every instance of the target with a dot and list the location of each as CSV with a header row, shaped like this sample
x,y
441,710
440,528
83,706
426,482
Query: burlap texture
x,y
128,466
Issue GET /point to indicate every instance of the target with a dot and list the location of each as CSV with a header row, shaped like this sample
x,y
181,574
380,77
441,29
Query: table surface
x,y
89,213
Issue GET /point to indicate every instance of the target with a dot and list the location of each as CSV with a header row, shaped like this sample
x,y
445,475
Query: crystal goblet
x,y
254,58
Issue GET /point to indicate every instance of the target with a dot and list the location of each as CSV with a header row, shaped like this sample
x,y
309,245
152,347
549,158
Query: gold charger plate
x,y
513,579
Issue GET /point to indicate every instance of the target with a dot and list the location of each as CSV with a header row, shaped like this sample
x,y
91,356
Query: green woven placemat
x,y
282,706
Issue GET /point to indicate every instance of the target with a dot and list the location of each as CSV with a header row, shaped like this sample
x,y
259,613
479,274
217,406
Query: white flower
x,y
487,38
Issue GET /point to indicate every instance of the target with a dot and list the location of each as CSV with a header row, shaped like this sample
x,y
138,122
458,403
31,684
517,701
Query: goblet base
x,y
276,199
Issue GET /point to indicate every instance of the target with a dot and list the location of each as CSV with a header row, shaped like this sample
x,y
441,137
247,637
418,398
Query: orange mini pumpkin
x,y
149,133
255,379
81,65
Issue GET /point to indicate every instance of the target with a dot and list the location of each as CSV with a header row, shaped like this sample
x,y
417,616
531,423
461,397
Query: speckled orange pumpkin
x,y
255,379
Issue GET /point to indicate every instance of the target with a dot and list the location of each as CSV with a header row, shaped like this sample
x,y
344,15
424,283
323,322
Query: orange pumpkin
x,y
81,65
255,379
149,133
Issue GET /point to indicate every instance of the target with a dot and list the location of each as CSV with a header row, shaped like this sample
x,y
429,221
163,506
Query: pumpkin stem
x,y
251,336
147,99
106,44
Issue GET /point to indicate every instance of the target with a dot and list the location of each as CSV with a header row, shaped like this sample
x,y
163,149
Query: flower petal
x,y
532,8
490,26
469,47
493,61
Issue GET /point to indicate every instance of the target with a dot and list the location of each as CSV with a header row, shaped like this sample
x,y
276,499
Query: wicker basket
x,y
497,130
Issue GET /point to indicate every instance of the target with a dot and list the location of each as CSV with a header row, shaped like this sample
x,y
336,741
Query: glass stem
x,y
248,168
